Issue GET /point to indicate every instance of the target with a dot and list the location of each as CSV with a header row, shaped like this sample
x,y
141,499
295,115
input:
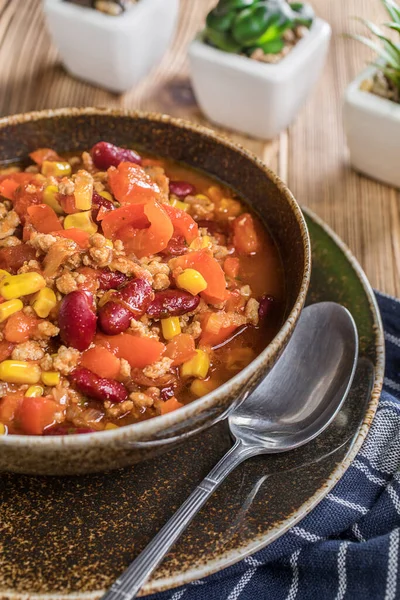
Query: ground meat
x,y
100,253
158,369
66,186
67,282
251,311
154,392
3,210
74,261
129,267
45,329
66,360
88,162
159,177
27,351
8,224
245,291
3,389
141,400
125,369
29,266
194,329
46,363
117,410
219,252
142,329
98,187
10,241
161,282
119,247
42,241
201,207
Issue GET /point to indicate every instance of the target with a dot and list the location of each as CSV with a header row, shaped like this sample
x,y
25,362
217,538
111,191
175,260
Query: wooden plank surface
x,y
311,156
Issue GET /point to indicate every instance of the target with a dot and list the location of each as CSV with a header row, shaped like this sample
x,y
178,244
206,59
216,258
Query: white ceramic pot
x,y
112,52
252,97
372,126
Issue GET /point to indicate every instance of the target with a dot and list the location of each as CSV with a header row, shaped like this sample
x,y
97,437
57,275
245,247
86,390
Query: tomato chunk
x,y
130,184
102,362
205,264
138,351
6,349
245,237
170,405
181,348
19,327
9,407
76,235
43,218
144,228
35,414
11,181
42,154
12,258
183,223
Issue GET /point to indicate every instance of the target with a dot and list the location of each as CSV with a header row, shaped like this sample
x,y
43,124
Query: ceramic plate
x,y
71,537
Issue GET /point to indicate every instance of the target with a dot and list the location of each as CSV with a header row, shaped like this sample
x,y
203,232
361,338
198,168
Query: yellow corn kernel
x,y
56,169
82,220
4,274
201,242
9,308
49,198
199,387
202,197
19,371
21,285
109,244
215,193
43,302
197,366
179,204
107,196
34,391
110,426
170,327
3,429
192,281
228,207
50,378
83,190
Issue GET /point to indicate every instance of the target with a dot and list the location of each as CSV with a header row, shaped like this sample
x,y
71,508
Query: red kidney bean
x,y
181,188
167,392
172,303
76,320
266,305
114,318
110,280
107,155
176,246
137,294
100,202
98,388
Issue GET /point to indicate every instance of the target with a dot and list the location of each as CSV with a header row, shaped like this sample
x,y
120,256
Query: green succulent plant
x,y
388,51
241,26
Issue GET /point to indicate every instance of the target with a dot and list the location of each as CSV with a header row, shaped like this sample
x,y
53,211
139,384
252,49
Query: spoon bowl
x,y
303,393
294,403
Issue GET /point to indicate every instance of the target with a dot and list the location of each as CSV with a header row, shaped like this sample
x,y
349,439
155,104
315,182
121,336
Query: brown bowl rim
x,y
154,425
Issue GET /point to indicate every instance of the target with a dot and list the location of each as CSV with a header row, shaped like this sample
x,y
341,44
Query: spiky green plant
x,y
388,51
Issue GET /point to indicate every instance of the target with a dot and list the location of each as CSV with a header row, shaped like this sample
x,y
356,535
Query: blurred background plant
x,y
257,27
385,81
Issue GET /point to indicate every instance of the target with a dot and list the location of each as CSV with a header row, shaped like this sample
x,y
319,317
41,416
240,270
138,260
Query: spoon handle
x,y
130,582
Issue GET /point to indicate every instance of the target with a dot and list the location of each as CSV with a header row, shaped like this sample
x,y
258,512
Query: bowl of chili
x,y
151,273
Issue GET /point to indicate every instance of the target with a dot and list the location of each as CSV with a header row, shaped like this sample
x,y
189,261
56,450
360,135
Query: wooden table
x,y
311,156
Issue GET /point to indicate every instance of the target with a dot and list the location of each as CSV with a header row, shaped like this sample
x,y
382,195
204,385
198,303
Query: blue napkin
x,y
348,547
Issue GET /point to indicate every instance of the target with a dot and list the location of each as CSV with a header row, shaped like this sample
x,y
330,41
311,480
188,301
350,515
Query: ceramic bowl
x,y
77,129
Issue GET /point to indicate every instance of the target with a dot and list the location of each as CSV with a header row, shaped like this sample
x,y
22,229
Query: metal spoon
x,y
294,403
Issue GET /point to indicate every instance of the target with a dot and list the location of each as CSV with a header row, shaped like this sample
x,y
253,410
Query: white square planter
x,y
112,52
252,97
372,126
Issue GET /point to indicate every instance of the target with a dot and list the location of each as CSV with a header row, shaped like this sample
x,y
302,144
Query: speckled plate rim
x,y
259,542
138,432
